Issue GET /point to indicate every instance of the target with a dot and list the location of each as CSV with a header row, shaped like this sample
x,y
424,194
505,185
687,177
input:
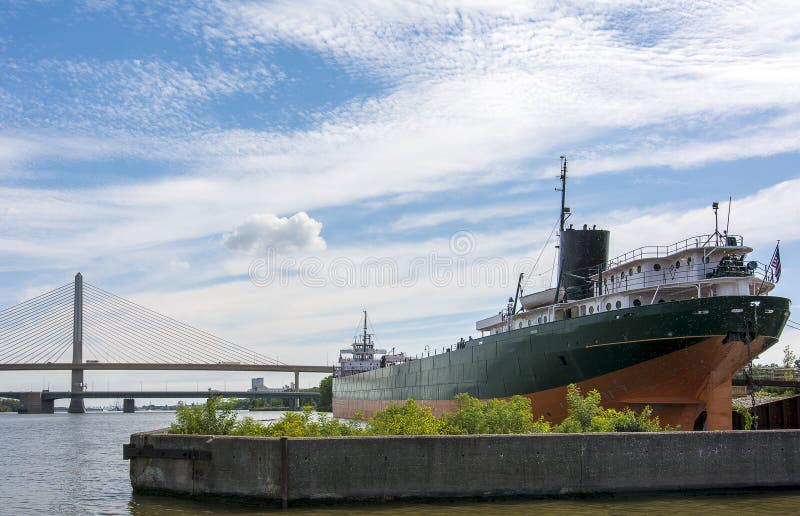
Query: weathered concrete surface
x,y
358,468
240,466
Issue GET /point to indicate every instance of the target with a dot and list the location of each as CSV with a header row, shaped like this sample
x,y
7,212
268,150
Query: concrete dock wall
x,y
361,468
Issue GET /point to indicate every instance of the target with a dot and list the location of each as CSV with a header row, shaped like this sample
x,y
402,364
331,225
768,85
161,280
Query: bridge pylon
x,y
77,386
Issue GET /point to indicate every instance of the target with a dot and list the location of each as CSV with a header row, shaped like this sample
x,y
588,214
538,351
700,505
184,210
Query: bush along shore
x,y
473,417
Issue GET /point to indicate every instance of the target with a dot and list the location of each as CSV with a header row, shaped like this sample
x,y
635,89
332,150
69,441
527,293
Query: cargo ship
x,y
665,326
362,355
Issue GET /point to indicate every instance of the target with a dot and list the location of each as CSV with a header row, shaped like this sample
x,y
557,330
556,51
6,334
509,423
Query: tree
x,y
325,394
789,357
8,405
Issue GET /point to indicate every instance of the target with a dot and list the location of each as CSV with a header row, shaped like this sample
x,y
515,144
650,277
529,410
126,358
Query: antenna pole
x,y
728,223
563,189
365,329
561,221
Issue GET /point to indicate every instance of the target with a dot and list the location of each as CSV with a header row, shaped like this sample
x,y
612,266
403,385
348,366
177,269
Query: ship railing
x,y
660,251
673,273
771,373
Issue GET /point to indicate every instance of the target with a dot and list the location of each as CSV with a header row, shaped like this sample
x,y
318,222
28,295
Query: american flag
x,y
775,264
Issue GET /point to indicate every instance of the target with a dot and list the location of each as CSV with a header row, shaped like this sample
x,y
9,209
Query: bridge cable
x,y
13,325
23,304
33,327
46,330
182,330
121,327
135,340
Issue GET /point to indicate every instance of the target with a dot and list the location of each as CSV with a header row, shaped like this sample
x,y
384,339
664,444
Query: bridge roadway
x,y
220,366
59,395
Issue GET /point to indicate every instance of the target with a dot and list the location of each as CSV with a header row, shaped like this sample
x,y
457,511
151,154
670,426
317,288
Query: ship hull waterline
x,y
672,357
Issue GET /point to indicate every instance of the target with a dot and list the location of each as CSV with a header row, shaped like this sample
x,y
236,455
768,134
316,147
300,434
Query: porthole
x,y
678,264
638,268
539,320
708,259
529,322
630,271
689,260
519,326
545,319
657,267
608,307
619,304
637,302
621,276
591,310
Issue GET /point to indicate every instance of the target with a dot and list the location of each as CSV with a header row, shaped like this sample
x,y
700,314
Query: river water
x,y
72,464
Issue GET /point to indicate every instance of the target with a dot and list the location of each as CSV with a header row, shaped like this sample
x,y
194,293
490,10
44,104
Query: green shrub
x,y
610,420
747,416
491,417
474,416
585,414
407,419
581,411
215,417
303,424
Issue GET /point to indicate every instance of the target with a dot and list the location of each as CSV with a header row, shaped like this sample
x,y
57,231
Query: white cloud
x,y
471,215
298,233
125,96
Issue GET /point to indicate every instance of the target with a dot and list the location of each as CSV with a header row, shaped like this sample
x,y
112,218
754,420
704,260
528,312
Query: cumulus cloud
x,y
298,233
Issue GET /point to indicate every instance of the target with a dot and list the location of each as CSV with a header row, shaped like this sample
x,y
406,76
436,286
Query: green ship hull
x,y
634,356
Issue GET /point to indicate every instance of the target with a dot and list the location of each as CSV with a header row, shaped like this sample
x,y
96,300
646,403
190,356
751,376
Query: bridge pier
x,y
33,403
296,401
128,406
76,405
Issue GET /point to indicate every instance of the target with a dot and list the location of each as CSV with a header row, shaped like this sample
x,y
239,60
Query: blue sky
x,y
159,148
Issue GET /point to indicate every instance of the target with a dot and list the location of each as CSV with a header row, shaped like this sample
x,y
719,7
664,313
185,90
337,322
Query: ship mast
x,y
365,330
563,215
563,191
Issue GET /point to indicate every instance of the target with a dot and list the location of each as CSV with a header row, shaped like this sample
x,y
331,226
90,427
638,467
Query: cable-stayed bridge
x,y
79,327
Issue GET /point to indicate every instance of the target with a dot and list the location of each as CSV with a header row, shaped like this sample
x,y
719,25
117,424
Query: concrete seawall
x,y
363,468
